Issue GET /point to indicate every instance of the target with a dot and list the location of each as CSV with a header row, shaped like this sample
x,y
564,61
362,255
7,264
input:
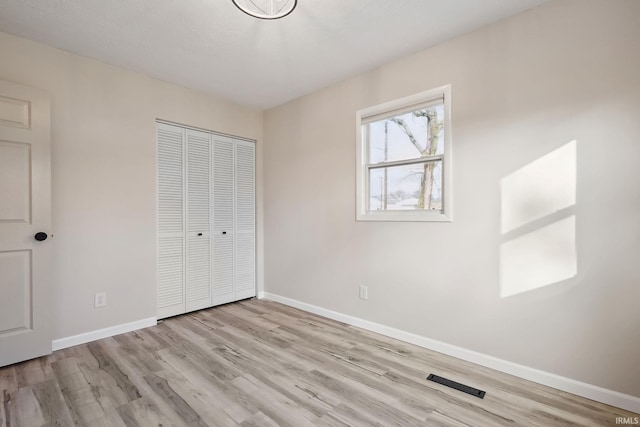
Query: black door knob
x,y
224,232
40,236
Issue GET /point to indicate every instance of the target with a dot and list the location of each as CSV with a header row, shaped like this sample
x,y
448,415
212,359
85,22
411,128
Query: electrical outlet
x,y
364,292
100,299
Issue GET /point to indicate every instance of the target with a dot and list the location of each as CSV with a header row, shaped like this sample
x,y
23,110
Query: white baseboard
x,y
610,397
86,337
260,295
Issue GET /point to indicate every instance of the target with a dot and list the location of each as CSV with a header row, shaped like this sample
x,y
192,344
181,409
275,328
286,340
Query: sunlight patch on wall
x,y
540,188
540,258
538,223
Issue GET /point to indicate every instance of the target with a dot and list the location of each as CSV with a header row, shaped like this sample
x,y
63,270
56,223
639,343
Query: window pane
x,y
407,136
407,187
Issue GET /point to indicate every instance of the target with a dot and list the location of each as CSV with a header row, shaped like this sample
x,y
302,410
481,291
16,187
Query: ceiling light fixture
x,y
266,9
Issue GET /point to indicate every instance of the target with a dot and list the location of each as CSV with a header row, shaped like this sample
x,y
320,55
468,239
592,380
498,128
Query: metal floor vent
x,y
463,388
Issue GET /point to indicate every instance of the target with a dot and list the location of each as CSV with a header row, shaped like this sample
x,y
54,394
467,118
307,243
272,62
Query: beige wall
x,y
568,70
104,176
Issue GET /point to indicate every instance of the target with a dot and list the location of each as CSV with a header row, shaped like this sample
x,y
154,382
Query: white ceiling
x,y
211,46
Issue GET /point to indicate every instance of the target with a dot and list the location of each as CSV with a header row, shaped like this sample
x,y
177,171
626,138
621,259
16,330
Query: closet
x,y
206,219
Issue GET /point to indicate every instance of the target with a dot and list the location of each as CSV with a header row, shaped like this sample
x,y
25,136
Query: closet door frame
x,y
184,306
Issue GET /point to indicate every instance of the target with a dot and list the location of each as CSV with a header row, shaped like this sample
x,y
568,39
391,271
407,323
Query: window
x,y
404,159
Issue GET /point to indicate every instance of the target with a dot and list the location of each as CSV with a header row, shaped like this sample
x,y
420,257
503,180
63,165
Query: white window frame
x,y
362,167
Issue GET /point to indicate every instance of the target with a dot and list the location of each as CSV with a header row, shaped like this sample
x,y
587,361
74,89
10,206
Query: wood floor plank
x,y
79,398
361,398
25,409
8,381
184,329
253,329
138,361
148,393
162,388
219,393
34,371
104,388
266,364
8,411
275,406
358,378
144,412
260,363
52,406
109,365
330,420
352,417
210,413
259,420
201,330
199,355
284,383
438,419
246,346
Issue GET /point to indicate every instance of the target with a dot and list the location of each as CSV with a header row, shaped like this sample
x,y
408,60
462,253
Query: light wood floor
x,y
259,363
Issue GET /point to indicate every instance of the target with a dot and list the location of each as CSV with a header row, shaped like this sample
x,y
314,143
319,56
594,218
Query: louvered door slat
x,y
198,181
222,185
170,273
222,220
170,181
198,274
245,284
170,296
244,210
223,270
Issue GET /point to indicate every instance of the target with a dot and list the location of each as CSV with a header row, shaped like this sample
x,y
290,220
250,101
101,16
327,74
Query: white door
x,y
171,254
25,211
223,196
245,221
198,277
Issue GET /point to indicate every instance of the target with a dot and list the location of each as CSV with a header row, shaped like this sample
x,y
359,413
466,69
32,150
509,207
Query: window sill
x,y
403,216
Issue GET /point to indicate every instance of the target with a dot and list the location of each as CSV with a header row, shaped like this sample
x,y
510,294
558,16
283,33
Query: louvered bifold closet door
x,y
171,298
245,237
222,220
198,274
